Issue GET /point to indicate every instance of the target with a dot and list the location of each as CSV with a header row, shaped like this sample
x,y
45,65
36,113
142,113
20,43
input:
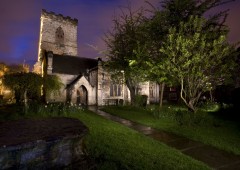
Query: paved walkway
x,y
214,158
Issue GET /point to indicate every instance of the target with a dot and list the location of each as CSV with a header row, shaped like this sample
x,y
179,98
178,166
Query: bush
x,y
200,118
52,109
1,99
209,106
141,100
184,117
163,112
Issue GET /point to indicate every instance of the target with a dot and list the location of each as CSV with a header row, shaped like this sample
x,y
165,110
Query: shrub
x,y
52,109
200,118
184,117
209,106
141,100
163,112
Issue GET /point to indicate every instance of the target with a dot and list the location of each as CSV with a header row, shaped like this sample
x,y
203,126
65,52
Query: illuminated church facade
x,y
84,79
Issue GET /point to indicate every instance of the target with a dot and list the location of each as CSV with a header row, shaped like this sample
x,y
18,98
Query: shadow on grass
x,y
231,114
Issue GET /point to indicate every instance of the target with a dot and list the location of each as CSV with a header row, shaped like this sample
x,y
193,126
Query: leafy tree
x,y
25,84
156,27
18,68
21,84
121,43
3,70
194,61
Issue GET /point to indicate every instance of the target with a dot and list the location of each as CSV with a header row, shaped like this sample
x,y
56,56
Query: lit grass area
x,y
210,130
114,146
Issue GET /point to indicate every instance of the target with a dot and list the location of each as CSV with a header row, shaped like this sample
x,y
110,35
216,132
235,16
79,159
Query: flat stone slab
x,y
47,129
50,143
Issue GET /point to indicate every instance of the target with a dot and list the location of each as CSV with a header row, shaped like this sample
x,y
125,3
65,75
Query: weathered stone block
x,y
41,144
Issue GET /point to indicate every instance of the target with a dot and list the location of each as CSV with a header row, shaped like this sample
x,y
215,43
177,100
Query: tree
x,y
194,61
26,84
121,43
157,27
181,10
18,68
21,84
3,70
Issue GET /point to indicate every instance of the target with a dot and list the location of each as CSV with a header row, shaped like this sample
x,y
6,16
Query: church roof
x,y
73,65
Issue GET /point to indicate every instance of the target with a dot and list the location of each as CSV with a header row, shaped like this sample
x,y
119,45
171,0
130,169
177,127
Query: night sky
x,y
20,24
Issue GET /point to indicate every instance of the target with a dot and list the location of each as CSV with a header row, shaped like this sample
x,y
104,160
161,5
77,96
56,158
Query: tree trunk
x,y
211,96
190,103
131,88
161,94
25,102
17,96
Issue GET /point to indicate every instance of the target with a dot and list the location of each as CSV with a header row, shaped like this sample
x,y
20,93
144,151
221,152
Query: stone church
x,y
85,81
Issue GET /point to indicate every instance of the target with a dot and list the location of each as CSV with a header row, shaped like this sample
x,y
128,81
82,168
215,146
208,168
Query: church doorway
x,y
82,96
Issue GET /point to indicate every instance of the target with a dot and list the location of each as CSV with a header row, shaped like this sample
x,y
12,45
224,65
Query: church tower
x,y
58,34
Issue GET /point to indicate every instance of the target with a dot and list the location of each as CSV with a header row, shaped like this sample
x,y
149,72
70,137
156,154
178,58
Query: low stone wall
x,y
41,144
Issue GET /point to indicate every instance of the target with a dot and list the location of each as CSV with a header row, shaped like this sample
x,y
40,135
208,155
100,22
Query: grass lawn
x,y
118,147
210,130
115,146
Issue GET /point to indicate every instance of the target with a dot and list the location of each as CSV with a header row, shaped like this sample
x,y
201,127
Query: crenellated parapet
x,y
58,17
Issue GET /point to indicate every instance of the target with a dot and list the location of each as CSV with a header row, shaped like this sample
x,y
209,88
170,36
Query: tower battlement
x,y
59,17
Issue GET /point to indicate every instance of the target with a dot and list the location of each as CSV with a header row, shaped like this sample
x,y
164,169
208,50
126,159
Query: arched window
x,y
115,90
59,35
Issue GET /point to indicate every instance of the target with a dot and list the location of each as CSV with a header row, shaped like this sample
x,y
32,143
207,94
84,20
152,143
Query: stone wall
x,y
51,143
61,97
104,83
91,91
42,154
153,92
50,22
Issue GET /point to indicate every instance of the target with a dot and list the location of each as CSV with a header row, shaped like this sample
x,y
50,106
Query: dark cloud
x,y
233,23
20,22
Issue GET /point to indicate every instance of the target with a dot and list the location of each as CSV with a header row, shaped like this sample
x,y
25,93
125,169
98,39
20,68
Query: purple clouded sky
x,y
20,24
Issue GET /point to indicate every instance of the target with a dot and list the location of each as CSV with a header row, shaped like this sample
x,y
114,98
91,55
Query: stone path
x,y
213,157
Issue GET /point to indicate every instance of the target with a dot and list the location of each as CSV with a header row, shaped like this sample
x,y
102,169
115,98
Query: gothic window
x,y
115,90
151,91
59,35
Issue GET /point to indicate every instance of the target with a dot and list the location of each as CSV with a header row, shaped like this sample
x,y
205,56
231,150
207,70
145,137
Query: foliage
x,y
27,85
200,118
196,63
22,83
159,112
52,84
141,100
18,68
181,10
121,43
52,110
156,27
3,70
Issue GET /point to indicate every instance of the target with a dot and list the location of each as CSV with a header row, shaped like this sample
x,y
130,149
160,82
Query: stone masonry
x,y
50,24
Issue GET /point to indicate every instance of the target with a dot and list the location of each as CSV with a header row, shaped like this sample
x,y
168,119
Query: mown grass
x,y
117,147
114,146
208,129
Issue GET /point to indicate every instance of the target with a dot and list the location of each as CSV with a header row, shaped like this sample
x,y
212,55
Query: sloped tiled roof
x,y
73,65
